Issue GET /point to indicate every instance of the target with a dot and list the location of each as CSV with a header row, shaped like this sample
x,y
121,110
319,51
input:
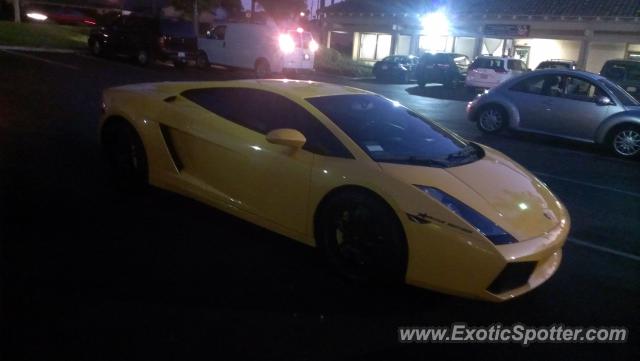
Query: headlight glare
x,y
484,225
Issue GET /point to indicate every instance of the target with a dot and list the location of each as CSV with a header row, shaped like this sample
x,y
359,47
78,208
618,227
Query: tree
x,y
193,7
16,11
187,5
283,9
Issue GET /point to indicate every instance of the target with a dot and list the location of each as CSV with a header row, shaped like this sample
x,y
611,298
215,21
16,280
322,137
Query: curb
x,y
39,50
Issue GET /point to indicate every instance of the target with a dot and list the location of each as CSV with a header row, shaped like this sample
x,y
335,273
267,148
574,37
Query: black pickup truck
x,y
146,39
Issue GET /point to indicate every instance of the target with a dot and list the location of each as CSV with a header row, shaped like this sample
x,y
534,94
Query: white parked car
x,y
263,48
489,71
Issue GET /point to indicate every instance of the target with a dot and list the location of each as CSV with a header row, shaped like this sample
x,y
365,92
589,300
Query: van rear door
x,y
303,56
214,45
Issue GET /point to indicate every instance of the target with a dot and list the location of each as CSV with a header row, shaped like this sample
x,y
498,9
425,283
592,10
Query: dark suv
x,y
625,73
146,39
448,69
557,64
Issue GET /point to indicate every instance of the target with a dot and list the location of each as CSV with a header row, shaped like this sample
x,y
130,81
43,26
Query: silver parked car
x,y
565,103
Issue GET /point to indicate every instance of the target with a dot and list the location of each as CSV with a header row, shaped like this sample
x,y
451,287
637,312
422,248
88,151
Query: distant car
x,y
399,68
264,48
557,64
69,16
564,103
58,15
625,73
384,193
489,71
146,39
448,69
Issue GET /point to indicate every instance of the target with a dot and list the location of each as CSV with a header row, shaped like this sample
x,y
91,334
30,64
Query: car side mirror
x,y
604,100
288,137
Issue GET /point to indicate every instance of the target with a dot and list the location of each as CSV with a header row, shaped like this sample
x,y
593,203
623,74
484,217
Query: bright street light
x,y
435,23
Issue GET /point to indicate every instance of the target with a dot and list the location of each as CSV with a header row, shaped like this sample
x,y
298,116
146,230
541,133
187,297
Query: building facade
x,y
586,31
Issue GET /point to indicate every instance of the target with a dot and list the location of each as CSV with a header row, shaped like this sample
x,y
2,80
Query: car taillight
x,y
313,46
287,45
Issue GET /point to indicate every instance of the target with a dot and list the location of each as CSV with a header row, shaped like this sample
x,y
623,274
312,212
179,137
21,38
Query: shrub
x,y
331,61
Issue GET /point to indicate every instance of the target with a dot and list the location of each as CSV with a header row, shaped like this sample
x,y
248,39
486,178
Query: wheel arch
x,y
511,111
346,189
605,130
110,122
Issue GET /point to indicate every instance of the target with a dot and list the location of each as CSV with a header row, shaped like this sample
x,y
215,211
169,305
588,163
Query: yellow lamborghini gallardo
x,y
384,193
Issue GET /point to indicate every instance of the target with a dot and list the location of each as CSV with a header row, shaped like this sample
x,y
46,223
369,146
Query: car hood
x,y
495,186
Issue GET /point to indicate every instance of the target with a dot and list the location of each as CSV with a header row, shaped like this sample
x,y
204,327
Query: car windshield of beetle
x,y
623,96
389,132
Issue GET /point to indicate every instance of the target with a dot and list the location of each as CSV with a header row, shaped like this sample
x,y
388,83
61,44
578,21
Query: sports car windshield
x,y
389,132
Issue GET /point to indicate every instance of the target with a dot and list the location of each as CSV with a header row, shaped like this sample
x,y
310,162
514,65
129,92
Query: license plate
x,y
181,54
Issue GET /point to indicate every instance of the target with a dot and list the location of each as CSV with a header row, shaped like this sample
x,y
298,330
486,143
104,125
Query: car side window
x,y
615,72
581,89
263,111
516,65
219,32
547,85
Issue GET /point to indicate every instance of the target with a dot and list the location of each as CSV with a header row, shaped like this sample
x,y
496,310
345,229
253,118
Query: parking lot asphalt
x,y
91,274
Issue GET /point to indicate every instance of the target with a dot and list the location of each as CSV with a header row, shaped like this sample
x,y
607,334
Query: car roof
x,y
635,61
496,57
294,89
557,71
557,61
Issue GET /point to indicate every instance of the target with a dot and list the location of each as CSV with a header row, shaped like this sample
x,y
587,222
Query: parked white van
x,y
263,48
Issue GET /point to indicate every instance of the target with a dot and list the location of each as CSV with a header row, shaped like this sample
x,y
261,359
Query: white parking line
x,y
15,53
578,242
587,184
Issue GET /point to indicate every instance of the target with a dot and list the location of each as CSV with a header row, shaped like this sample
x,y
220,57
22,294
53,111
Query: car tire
x,y
492,119
262,69
126,156
143,57
361,237
624,141
202,61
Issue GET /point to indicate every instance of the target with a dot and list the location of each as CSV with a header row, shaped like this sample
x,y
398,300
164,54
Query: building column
x,y
414,45
394,43
356,45
477,47
583,56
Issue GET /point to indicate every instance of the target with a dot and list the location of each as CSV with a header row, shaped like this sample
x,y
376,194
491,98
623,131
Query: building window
x,y
374,46
404,45
432,44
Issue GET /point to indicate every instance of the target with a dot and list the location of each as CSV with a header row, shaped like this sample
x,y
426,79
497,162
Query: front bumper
x,y
455,265
183,56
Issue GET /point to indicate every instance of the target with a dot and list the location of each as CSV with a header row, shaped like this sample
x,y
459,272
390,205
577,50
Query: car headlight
x,y
484,225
